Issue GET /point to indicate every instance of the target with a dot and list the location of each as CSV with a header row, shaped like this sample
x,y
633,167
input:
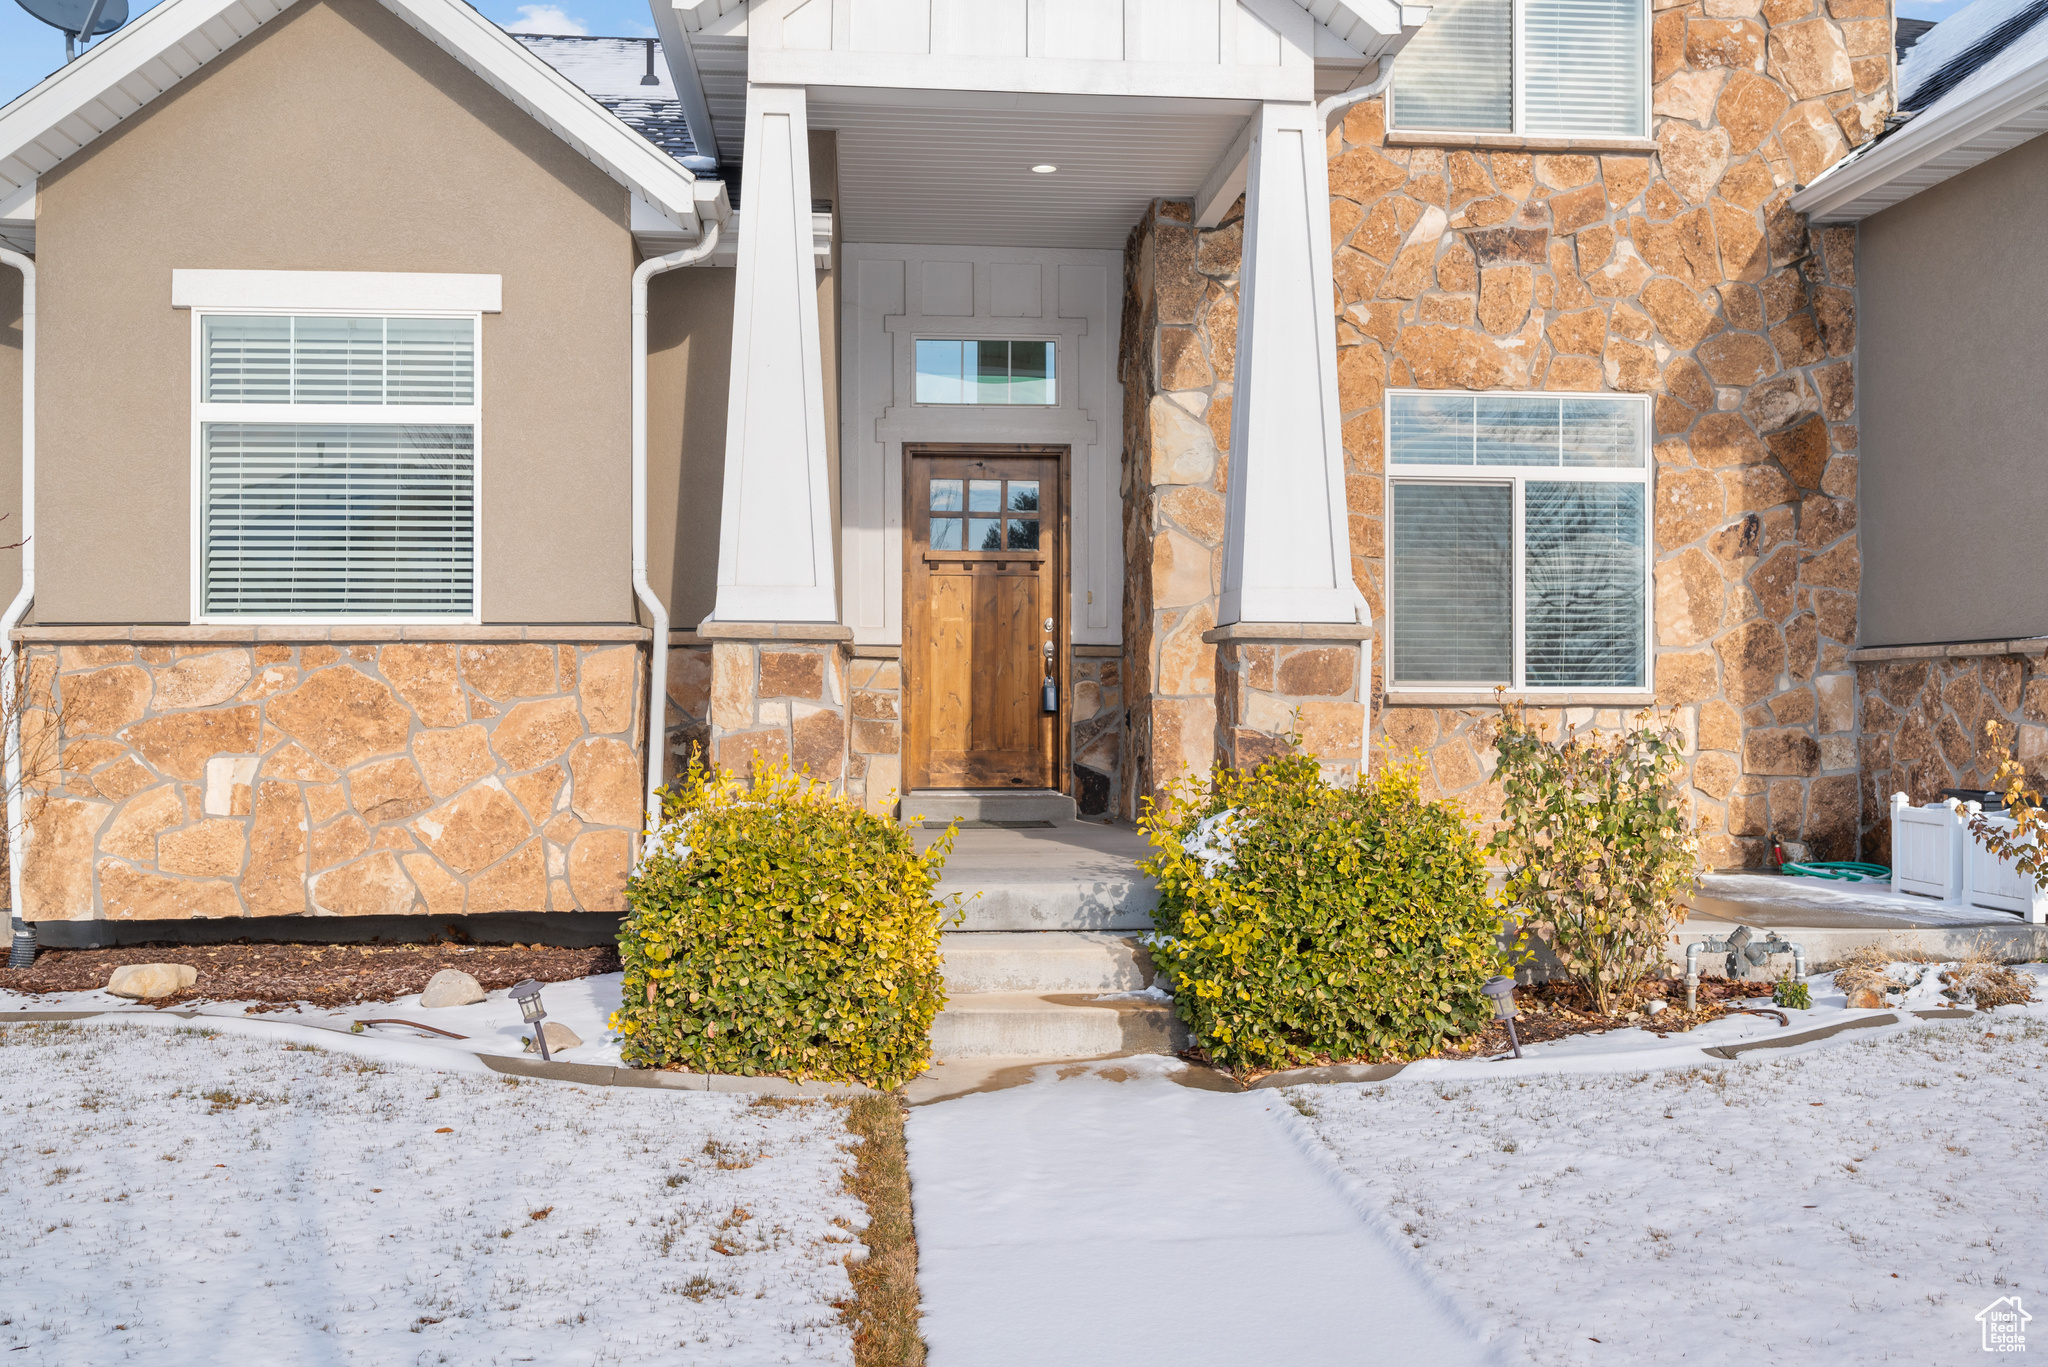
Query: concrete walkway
x,y
1106,1214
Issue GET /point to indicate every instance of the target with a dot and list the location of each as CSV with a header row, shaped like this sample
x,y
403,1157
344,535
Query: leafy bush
x,y
1299,920
781,929
1791,992
1597,848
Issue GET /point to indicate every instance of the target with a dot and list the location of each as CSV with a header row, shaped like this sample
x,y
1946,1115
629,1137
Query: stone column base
x,y
1280,679
778,691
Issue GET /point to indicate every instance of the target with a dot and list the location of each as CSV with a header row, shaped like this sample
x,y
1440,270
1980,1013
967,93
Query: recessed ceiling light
x,y
1045,168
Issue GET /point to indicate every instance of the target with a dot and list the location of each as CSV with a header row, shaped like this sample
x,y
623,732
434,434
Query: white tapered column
x,y
1287,555
775,537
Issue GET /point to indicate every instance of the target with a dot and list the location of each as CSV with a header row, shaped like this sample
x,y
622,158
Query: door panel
x,y
983,599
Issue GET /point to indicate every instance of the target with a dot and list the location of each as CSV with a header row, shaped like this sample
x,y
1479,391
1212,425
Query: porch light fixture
x,y
1044,168
1502,990
527,994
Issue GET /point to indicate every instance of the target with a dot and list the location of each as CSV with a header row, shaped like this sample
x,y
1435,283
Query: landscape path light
x,y
1502,990
527,994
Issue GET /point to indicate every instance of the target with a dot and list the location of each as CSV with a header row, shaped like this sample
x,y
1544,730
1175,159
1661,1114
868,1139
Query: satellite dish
x,y
79,19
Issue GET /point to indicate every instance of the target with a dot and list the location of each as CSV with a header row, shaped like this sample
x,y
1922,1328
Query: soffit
x,y
962,176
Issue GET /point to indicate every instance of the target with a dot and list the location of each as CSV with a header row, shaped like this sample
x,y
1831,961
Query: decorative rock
x,y
1655,1007
145,982
560,1037
453,987
1866,999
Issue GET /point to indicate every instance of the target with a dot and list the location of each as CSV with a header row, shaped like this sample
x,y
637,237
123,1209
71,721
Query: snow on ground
x,y
1106,1214
1856,1200
192,1197
493,1026
1779,891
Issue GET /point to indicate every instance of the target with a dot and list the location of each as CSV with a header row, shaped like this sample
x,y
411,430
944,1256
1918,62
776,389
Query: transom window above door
x,y
961,371
1518,543
1555,68
984,515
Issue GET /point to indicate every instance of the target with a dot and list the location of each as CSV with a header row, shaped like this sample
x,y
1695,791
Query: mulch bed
x,y
278,977
1558,1010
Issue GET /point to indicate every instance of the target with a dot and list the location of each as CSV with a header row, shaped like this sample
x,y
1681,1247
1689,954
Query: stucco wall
x,y
1950,373
10,429
336,138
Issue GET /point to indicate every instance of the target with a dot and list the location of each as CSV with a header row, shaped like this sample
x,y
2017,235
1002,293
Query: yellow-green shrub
x,y
1342,922
781,929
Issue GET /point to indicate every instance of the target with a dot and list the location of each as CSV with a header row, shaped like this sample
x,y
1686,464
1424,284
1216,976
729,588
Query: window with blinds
x,y
1556,68
337,467
1519,541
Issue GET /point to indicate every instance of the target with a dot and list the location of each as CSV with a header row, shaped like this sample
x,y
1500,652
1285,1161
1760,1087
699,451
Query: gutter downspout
x,y
657,703
1325,110
24,937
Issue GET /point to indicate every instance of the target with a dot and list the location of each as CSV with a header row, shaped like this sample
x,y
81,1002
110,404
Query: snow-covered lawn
x,y
492,1026
1858,1200
183,1196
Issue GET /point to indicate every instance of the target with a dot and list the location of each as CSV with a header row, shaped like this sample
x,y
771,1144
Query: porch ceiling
x,y
960,174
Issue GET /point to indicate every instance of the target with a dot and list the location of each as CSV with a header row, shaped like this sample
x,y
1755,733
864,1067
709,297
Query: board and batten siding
x,y
896,294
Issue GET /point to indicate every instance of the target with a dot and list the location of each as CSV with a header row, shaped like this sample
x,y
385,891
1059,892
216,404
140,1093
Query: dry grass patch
x,y
1988,982
884,1312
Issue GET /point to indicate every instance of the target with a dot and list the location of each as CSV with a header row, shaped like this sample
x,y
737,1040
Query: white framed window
x,y
1539,68
1518,544
335,465
1002,371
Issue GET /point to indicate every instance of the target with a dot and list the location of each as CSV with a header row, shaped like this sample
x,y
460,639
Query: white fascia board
x,y
682,72
507,66
1848,191
339,291
127,70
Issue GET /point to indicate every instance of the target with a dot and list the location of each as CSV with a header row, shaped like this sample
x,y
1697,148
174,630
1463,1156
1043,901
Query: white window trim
x,y
1518,63
384,293
929,334
427,414
1518,477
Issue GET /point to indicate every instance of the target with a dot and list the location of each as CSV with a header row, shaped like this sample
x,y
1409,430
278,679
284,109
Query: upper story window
x,y
337,466
1540,68
955,371
1518,542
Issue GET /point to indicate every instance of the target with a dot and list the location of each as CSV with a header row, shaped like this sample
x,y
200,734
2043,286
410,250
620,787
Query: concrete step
x,y
1074,875
1058,1026
988,804
1044,961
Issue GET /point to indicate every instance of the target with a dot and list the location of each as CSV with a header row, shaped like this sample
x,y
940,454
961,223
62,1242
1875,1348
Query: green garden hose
x,y
1840,871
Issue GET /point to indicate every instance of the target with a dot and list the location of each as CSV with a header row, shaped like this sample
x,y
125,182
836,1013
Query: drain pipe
x,y
1326,110
22,953
657,703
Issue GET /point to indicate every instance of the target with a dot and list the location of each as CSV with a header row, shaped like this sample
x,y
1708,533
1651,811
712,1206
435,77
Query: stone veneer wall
x,y
1095,715
1926,720
207,773
1677,271
775,692
874,763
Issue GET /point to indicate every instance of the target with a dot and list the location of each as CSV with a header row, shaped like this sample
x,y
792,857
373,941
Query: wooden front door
x,y
983,620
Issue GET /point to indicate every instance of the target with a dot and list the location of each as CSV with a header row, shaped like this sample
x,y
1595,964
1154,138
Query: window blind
x,y
339,360
1452,554
1583,67
338,519
1584,580
1456,74
1594,431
